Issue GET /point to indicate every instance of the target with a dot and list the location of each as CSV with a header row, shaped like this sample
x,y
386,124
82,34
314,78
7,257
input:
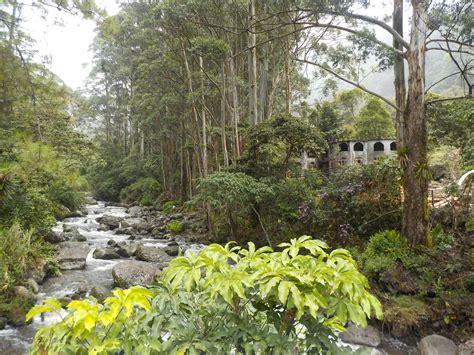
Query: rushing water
x,y
17,340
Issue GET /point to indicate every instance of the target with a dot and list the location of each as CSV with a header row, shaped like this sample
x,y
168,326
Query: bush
x,y
384,250
262,302
174,227
145,191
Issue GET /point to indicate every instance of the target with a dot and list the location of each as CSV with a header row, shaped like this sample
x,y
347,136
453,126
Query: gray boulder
x,y
126,250
126,231
437,345
54,237
113,222
24,294
466,348
134,273
172,249
151,254
369,336
132,222
38,272
72,255
100,292
32,285
3,323
105,253
71,233
135,211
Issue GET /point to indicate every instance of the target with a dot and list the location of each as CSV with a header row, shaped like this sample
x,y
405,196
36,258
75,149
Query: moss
x,y
405,313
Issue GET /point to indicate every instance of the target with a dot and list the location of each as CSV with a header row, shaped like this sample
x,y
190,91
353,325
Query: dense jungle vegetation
x,y
203,107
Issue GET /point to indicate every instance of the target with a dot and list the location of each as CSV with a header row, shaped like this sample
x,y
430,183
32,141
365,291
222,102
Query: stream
x,y
17,340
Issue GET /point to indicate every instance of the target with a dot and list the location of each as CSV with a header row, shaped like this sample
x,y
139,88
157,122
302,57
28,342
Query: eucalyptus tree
x,y
344,37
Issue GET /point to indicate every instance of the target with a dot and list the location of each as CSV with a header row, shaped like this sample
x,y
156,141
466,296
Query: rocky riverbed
x,y
108,246
103,247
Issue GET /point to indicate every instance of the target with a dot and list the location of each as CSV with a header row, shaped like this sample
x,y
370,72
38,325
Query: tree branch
x,y
449,99
350,82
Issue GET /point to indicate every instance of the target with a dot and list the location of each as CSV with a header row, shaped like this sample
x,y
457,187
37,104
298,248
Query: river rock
x,y
16,316
90,200
54,237
132,222
106,254
71,233
72,255
100,292
369,336
24,294
437,345
466,348
151,254
126,231
126,250
103,228
135,211
171,249
113,222
3,323
38,272
134,273
32,285
111,243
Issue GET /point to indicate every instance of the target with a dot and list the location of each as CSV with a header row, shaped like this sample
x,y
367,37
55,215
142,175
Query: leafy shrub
x,y
174,227
144,191
265,302
359,201
169,206
383,251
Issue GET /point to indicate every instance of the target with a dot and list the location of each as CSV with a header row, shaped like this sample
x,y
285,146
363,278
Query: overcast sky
x,y
65,45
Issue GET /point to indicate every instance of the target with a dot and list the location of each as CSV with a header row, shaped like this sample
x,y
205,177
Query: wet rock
x,y
54,237
71,233
105,253
126,231
437,345
172,249
134,273
24,294
398,281
111,243
466,348
176,216
100,292
132,222
38,272
72,255
103,228
369,336
65,301
126,250
32,285
151,254
135,211
3,322
113,222
16,317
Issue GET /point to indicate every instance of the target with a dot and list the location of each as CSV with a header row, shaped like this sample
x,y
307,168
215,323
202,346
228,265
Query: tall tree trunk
x,y
235,108
288,81
204,123
416,176
223,117
252,66
264,88
399,73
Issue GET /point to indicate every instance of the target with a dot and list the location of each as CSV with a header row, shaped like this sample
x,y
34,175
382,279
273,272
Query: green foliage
x,y
384,250
144,191
374,120
174,227
359,201
20,250
225,299
276,145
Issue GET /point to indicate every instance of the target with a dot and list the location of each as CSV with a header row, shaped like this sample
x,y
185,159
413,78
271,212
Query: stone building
x,y
351,152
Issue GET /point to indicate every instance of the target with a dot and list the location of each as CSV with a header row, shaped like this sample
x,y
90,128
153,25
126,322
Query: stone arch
x,y
358,147
379,147
344,147
393,146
